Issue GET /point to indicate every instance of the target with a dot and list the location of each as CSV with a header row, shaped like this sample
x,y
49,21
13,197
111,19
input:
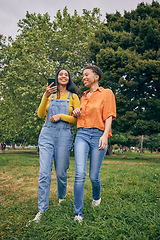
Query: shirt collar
x,y
98,89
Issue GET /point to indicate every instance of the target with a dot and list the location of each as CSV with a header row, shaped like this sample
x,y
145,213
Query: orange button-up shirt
x,y
96,109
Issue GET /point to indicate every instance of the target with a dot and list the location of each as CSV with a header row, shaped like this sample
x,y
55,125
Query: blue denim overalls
x,y
55,143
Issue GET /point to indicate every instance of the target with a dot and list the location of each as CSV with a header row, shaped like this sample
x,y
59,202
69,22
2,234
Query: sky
x,y
11,11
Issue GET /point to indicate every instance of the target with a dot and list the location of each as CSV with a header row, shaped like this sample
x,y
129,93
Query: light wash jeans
x,y
87,140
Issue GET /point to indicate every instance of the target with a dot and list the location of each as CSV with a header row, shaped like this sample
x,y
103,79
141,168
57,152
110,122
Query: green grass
x,y
130,207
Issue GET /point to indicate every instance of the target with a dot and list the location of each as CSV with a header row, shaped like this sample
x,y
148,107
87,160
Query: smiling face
x,y
63,77
89,78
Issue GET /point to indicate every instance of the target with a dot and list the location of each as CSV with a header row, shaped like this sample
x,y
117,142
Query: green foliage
x,y
127,50
41,48
152,142
124,139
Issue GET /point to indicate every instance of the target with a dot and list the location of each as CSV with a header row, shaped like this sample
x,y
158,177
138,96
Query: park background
x,y
126,48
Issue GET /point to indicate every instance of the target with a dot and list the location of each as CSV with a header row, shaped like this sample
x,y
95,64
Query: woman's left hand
x,y
103,141
77,112
56,118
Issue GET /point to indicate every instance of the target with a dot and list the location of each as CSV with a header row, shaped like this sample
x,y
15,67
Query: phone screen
x,y
50,80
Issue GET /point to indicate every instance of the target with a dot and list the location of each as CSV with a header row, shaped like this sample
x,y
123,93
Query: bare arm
x,y
104,139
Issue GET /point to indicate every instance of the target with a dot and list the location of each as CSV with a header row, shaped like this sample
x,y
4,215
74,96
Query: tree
x,y
127,50
152,142
124,140
41,48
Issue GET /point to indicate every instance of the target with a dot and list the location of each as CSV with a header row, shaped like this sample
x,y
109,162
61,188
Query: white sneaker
x,y
36,219
96,202
78,218
60,200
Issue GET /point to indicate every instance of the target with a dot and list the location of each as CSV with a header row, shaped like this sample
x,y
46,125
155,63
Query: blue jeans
x,y
87,140
55,145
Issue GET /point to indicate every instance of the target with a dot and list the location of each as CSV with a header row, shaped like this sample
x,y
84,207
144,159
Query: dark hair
x,y
71,87
95,69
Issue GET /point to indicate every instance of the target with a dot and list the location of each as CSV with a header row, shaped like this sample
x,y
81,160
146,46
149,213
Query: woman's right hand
x,y
77,112
50,90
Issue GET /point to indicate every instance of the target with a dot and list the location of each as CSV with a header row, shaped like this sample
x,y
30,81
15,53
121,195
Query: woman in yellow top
x,y
56,137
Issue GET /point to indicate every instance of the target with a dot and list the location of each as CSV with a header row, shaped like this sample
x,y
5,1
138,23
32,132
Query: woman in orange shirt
x,y
95,116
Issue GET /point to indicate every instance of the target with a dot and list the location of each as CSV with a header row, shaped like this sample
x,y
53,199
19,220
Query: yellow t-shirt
x,y
73,103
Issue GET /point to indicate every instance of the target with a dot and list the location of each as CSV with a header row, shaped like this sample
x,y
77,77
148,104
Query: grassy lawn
x,y
130,207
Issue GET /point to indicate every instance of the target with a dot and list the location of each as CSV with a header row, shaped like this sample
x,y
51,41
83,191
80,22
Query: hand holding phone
x,y
51,87
50,81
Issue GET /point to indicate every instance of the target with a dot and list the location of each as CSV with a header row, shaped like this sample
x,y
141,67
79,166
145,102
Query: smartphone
x,y
50,80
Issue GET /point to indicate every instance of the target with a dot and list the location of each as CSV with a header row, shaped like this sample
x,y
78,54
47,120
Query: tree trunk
x,y
142,144
109,150
13,146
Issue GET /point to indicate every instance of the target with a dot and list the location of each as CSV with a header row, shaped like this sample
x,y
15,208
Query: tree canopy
x,y
41,48
126,48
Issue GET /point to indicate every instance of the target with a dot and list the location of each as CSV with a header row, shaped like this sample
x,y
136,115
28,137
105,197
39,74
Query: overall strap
x,y
69,95
53,95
